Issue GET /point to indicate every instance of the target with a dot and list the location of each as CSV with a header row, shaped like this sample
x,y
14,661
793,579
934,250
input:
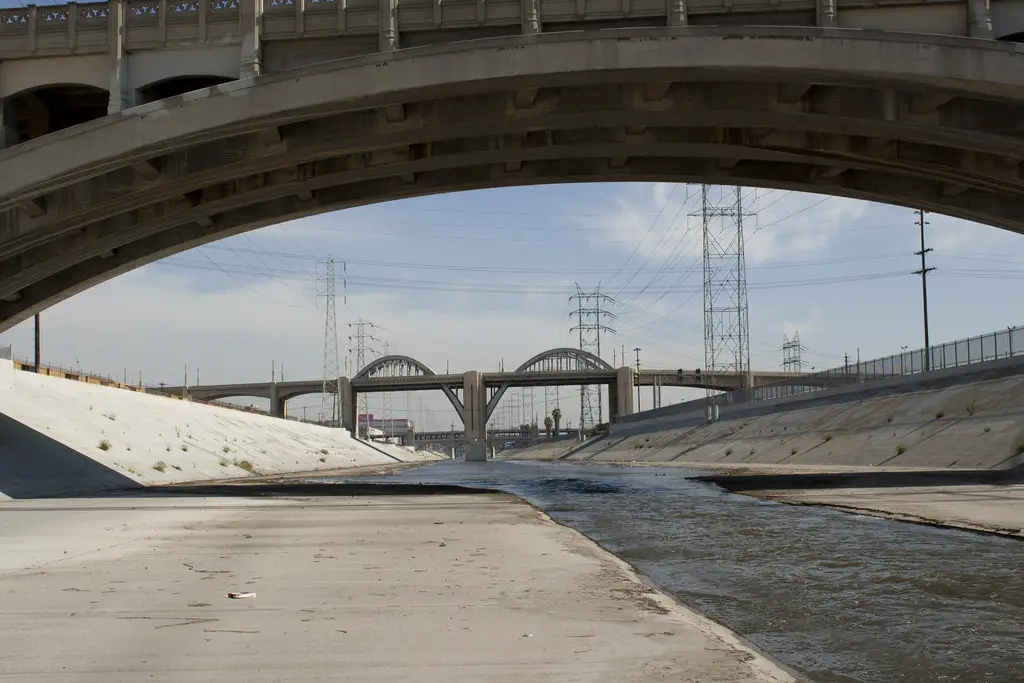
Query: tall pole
x,y
637,349
37,344
924,289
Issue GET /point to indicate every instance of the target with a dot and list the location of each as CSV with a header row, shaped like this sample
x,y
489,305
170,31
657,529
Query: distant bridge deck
x,y
495,380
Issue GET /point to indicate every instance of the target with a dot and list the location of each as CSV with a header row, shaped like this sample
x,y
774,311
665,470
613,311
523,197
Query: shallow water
x,y
838,597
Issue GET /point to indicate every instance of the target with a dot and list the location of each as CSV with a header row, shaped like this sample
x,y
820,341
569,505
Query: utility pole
x,y
37,345
921,222
637,349
590,318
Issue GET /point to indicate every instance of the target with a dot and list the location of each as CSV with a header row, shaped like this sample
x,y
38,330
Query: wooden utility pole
x,y
924,289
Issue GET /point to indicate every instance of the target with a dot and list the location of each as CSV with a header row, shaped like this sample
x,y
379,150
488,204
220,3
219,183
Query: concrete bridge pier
x,y
347,403
474,415
8,127
276,402
620,395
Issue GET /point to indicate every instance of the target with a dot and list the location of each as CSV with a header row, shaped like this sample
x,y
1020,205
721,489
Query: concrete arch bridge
x,y
474,395
345,104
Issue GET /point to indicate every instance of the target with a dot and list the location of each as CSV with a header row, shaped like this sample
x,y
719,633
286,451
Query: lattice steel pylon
x,y
363,345
726,317
590,318
791,348
332,370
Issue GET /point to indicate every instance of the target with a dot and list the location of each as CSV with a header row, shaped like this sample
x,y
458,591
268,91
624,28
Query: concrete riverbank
x,y
984,500
445,587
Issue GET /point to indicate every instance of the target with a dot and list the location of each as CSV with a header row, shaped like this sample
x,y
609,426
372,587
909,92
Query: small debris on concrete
x,y
240,595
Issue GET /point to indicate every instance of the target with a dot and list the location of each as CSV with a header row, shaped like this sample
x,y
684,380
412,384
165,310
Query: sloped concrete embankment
x,y
61,437
975,425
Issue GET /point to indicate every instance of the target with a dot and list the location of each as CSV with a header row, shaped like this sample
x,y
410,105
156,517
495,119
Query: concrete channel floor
x,y
425,588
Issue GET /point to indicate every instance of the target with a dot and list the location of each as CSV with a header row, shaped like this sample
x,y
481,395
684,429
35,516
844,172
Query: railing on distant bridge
x,y
987,347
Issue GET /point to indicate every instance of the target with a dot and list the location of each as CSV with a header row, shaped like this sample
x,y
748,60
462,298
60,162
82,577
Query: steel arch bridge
x,y
404,370
560,360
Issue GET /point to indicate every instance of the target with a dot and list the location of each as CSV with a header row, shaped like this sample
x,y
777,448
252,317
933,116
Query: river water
x,y
838,597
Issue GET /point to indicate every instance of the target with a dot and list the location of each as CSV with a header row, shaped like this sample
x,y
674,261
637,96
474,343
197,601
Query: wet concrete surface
x,y
840,598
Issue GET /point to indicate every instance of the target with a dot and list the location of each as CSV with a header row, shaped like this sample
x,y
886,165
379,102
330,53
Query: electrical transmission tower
x,y
364,344
328,394
726,319
590,316
791,348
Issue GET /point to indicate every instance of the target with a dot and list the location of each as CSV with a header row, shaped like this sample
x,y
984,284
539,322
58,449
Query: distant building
x,y
396,430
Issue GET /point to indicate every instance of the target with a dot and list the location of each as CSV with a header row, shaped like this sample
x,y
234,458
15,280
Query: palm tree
x,y
556,416
548,422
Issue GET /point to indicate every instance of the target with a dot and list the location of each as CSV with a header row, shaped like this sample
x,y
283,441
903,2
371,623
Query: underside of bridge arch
x,y
918,121
178,85
41,111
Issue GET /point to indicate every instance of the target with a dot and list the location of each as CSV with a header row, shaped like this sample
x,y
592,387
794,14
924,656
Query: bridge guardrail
x,y
1004,343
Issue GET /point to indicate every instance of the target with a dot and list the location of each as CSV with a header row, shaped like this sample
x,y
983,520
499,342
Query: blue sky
x,y
470,280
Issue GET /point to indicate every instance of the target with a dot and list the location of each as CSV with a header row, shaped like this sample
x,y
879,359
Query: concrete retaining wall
x,y
60,437
947,423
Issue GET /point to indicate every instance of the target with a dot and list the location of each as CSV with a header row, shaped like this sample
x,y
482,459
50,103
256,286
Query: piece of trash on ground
x,y
240,595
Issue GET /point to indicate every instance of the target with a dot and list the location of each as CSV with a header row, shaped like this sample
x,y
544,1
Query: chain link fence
x,y
986,347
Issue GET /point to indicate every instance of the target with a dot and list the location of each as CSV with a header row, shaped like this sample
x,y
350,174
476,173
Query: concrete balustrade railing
x,y
96,27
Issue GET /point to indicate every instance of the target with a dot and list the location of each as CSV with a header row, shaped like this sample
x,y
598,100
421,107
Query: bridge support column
x,y
251,14
347,403
620,395
474,415
827,14
121,95
276,402
8,129
979,19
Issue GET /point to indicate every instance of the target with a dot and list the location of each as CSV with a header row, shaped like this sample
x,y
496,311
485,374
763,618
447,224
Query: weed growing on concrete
x,y
889,419
728,451
751,451
939,415
828,437
323,459
184,447
226,448
792,451
324,451
104,445
224,462
244,464
988,429
129,449
160,466
168,449
972,405
901,449
112,417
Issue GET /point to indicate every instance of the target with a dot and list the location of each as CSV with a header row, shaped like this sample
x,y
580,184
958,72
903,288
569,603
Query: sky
x,y
475,280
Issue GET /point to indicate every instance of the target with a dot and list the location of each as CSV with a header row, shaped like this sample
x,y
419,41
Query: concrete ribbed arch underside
x,y
919,121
